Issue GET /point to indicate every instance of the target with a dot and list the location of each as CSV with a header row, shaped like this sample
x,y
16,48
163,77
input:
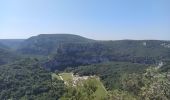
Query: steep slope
x,y
45,44
75,54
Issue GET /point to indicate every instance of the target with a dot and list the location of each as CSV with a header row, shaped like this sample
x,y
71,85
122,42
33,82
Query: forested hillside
x,y
75,54
27,80
45,44
111,73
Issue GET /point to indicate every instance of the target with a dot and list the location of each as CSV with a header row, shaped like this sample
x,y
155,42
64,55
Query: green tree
x,y
84,91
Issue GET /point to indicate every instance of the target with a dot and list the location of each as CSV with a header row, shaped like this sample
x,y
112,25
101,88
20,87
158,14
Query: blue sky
x,y
97,19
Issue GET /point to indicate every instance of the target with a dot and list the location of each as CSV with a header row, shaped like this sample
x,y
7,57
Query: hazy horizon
x,y
80,35
94,19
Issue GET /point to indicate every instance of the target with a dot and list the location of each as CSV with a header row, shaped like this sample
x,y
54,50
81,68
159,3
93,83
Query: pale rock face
x,y
78,79
160,65
165,45
144,43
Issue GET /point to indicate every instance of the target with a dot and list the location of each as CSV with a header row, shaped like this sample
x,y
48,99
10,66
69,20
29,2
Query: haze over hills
x,y
119,50
6,55
12,43
2,46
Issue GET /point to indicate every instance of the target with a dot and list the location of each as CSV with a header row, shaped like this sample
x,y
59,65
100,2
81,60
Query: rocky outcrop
x,y
77,54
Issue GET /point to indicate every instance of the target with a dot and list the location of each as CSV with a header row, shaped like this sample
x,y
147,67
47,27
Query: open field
x,y
100,92
66,77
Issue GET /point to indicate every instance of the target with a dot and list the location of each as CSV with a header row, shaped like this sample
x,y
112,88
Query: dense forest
x,y
128,69
27,80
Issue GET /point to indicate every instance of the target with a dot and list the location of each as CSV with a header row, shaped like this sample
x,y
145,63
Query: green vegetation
x,y
90,89
27,80
2,46
166,66
148,85
76,54
151,85
54,76
12,43
111,73
99,93
81,92
45,44
37,69
7,56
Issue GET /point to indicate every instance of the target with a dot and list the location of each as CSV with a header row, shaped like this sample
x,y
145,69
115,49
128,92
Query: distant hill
x,y
11,43
2,46
6,56
136,51
45,44
68,50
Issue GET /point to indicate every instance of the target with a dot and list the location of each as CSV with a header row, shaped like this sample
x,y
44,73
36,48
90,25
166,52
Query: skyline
x,y
95,19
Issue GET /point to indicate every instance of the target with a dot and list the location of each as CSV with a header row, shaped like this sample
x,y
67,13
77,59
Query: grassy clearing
x,y
100,92
66,76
